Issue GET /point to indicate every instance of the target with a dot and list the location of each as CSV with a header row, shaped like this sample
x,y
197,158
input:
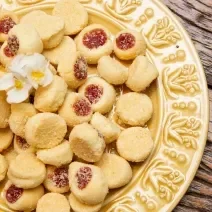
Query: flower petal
x,y
31,81
17,65
35,62
17,95
48,77
7,81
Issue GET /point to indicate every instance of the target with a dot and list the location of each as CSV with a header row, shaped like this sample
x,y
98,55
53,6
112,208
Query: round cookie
x,y
135,144
141,74
45,130
101,94
6,138
26,171
66,47
73,68
3,167
86,142
53,202
5,110
20,113
51,97
8,20
50,28
76,109
128,44
105,127
21,146
73,13
21,199
94,42
56,156
88,183
134,109
22,39
56,179
78,206
28,38
10,154
116,169
112,70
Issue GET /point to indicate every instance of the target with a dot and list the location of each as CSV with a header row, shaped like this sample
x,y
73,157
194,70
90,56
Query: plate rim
x,y
205,95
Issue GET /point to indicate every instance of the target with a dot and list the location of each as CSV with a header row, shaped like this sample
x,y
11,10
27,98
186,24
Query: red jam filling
x,y
80,68
82,107
83,176
125,41
22,143
60,177
6,24
93,93
12,46
13,193
95,38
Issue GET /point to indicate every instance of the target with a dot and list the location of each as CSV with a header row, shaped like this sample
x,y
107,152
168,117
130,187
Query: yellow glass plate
x,y
181,108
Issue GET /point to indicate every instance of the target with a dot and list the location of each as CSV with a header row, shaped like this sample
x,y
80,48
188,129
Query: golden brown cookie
x,y
73,68
51,97
8,20
128,44
5,110
26,171
66,47
141,74
57,179
53,202
109,130
116,169
6,137
78,206
50,28
56,156
22,39
3,167
134,109
88,183
86,142
76,109
20,199
73,13
45,130
20,113
112,70
101,94
21,146
94,42
135,144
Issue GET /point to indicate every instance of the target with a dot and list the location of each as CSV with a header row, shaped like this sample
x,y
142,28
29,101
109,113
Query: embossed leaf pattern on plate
x,y
181,98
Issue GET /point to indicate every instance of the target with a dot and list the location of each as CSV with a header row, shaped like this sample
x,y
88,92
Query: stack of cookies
x,y
53,144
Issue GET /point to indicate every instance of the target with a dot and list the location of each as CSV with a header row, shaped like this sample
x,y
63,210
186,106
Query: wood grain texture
x,y
196,16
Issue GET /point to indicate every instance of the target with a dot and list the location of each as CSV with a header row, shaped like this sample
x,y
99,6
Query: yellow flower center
x,y
18,84
37,75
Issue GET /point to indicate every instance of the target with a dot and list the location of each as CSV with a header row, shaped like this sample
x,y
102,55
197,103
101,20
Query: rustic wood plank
x,y
196,16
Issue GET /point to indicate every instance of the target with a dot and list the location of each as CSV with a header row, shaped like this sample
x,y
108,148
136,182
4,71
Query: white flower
x,y
17,65
34,67
26,71
37,69
17,87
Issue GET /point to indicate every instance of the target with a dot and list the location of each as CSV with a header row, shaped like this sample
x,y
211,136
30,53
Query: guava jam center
x,y
95,38
125,41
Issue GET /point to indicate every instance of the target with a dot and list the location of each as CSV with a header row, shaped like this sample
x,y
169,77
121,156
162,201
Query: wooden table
x,y
196,16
